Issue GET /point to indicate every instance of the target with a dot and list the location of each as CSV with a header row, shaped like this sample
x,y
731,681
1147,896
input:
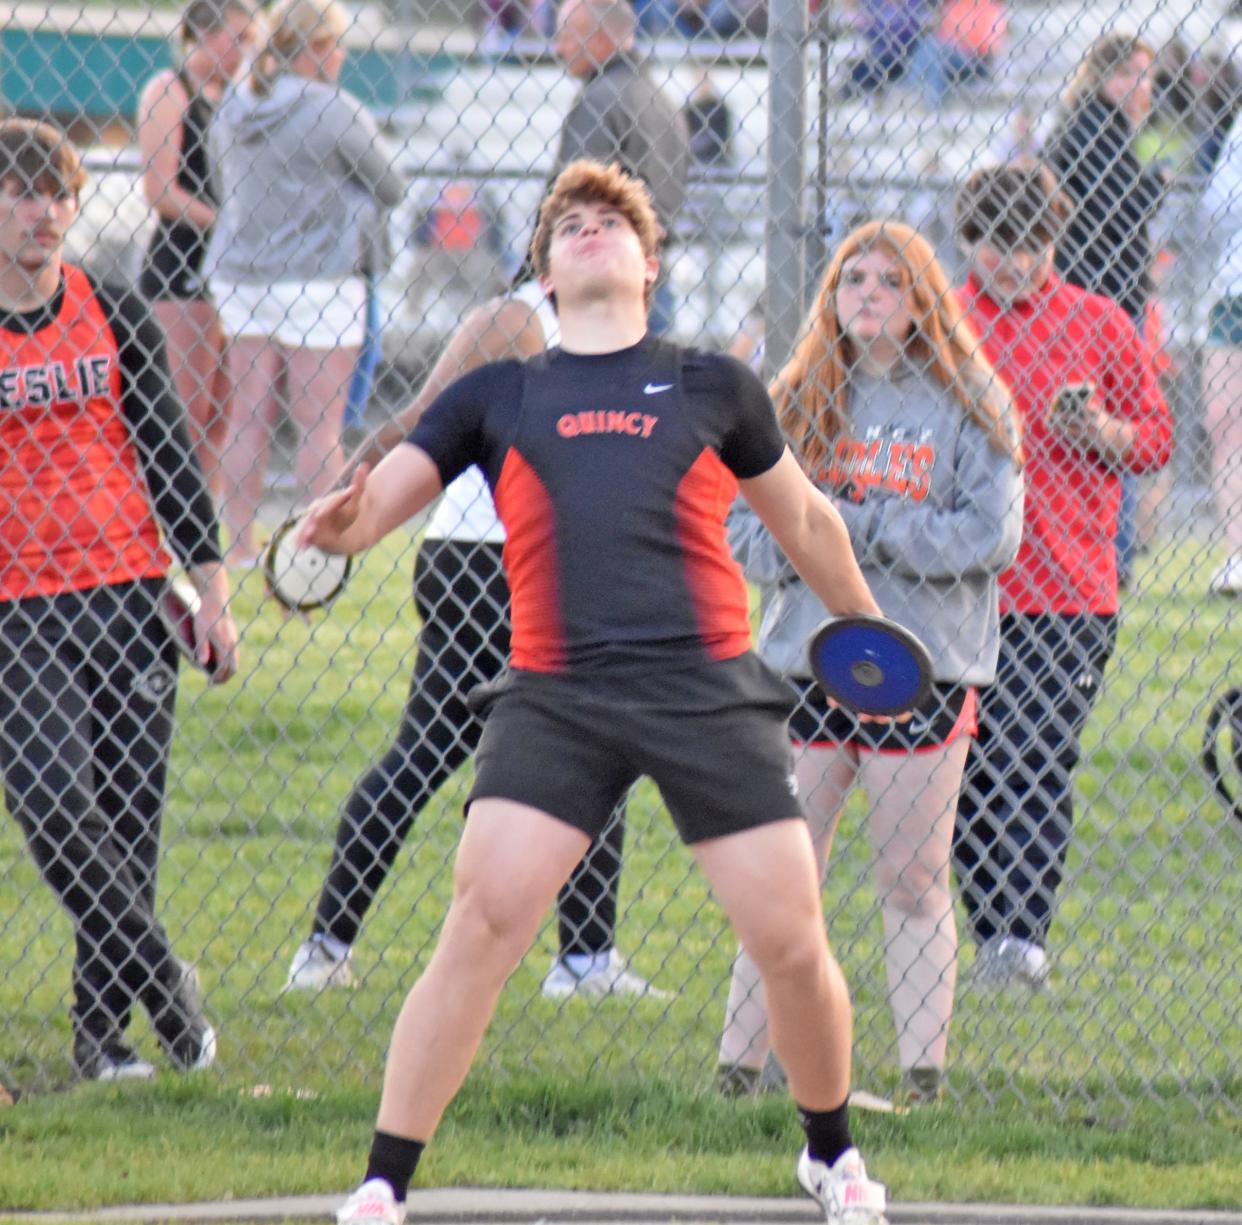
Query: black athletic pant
x,y
463,599
1016,810
88,682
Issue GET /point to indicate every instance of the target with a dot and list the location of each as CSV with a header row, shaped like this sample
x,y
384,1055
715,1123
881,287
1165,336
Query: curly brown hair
x,y
589,182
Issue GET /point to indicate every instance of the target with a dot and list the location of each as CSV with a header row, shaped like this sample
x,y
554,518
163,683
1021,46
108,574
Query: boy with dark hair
x,y
1083,382
96,468
613,461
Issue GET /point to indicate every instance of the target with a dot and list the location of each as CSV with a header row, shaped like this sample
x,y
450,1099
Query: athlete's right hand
x,y
214,628
327,521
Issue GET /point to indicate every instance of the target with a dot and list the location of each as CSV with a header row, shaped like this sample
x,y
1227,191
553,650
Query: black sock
x,y
827,1131
394,1159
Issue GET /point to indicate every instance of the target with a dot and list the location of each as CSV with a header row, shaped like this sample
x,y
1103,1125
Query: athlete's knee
x,y
491,922
799,951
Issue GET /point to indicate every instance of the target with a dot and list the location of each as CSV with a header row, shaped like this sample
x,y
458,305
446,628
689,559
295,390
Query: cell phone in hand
x,y
1071,405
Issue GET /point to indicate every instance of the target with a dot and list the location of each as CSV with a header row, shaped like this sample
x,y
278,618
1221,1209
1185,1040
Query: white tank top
x,y
465,512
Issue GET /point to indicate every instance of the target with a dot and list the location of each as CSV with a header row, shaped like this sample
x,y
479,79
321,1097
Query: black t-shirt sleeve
x,y
156,419
752,442
452,430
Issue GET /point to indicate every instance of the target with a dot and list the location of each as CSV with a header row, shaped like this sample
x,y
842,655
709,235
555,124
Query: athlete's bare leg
x,y
767,880
512,861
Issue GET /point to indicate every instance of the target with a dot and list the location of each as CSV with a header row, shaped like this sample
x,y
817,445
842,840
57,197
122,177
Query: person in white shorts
x,y
304,182
463,602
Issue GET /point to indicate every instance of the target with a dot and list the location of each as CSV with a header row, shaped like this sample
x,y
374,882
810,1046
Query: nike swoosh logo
x,y
654,388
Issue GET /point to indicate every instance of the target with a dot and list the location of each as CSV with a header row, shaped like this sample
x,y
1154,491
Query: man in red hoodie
x,y
1084,382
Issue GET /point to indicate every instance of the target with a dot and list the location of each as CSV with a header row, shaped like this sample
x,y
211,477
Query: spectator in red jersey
x,y
1059,599
97,470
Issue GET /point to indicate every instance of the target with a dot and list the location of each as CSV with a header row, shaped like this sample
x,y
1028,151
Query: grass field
x,y
1122,1085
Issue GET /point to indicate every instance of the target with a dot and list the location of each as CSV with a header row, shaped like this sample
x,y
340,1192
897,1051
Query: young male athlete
x,y
463,603
97,472
613,461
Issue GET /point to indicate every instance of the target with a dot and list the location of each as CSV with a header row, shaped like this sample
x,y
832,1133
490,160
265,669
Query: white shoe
x,y
615,978
117,1063
846,1194
314,968
206,1056
187,1039
1005,961
372,1204
1228,579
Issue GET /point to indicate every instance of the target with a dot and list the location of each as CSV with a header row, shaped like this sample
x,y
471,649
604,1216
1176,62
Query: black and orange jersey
x,y
612,475
93,446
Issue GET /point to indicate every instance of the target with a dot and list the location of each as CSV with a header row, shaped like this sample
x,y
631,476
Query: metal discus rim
x,y
275,576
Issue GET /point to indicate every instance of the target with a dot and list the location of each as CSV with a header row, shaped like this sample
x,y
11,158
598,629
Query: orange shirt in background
x,y
977,27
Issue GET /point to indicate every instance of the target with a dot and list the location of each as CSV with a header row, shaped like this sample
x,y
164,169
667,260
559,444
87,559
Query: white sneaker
x,y
115,1064
314,968
1228,579
615,978
372,1204
846,1194
1005,961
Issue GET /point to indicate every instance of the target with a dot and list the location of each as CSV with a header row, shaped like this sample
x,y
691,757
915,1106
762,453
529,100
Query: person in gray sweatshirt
x,y
890,405
304,180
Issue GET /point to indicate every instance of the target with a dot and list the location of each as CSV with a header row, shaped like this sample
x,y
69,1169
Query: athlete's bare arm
x,y
813,535
496,330
352,519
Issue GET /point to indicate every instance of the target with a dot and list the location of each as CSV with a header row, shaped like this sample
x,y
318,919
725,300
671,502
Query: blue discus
x,y
870,665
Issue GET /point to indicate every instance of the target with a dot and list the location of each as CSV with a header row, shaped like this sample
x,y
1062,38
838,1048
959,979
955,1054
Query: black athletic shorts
x,y
712,737
950,711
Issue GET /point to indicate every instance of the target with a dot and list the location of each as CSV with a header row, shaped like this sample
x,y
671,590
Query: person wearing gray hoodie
x,y
304,183
894,411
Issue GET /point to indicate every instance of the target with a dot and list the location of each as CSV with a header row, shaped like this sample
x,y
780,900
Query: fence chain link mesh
x,y
352,235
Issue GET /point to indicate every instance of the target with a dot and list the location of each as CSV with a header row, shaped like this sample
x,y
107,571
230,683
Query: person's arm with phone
x,y
1125,423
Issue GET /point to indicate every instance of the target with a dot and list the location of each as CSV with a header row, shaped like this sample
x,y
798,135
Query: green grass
x,y
1124,1085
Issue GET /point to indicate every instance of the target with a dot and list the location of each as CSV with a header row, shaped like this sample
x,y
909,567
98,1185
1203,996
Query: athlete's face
x,y
33,222
1010,277
595,252
872,302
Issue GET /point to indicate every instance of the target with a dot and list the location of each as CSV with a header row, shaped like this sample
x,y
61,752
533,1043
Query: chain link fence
x,y
321,202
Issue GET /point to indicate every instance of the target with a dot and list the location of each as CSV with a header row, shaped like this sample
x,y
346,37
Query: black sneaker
x,y
922,1086
187,1039
737,1080
110,1062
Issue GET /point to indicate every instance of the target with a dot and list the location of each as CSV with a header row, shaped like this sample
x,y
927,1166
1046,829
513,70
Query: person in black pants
x,y
95,458
462,598
1082,378
1010,852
